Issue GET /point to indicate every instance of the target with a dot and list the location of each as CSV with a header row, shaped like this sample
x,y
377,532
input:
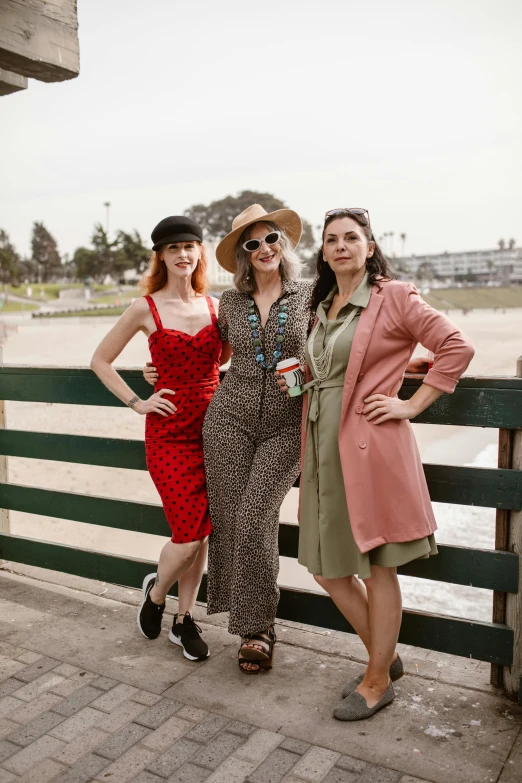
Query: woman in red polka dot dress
x,y
186,349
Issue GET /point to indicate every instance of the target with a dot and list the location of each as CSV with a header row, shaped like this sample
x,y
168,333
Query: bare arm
x,y
226,353
131,322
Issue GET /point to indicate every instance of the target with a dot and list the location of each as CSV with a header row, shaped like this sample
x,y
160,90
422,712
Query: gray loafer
x,y
396,672
354,706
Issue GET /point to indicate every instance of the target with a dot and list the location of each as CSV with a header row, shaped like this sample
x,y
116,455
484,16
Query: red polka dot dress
x,y
189,365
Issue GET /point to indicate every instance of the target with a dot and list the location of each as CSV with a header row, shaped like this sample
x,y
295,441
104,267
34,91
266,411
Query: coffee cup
x,y
291,371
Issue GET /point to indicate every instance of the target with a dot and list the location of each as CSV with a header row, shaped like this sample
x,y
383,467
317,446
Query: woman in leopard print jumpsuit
x,y
252,432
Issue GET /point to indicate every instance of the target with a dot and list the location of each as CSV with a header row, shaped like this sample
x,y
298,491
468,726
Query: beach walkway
x,y
83,696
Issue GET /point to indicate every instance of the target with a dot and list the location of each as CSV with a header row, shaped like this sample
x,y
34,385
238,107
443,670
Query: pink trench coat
x,y
386,492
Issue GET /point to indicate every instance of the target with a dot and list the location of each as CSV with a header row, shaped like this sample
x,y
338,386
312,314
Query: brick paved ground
x,y
84,697
68,725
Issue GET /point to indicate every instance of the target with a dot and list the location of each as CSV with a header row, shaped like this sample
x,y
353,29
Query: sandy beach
x,y
71,342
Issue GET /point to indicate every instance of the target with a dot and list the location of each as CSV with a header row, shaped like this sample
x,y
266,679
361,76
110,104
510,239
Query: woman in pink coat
x,y
364,505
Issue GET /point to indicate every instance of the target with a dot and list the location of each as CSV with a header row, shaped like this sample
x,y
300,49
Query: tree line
x,y
46,264
126,251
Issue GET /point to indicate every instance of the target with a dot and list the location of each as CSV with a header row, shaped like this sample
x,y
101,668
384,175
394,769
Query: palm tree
x,y
511,244
392,234
501,244
403,240
107,205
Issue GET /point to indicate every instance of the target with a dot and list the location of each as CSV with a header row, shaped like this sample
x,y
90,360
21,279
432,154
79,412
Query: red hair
x,y
156,276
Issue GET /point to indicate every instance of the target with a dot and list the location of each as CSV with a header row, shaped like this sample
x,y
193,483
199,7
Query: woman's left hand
x,y
379,408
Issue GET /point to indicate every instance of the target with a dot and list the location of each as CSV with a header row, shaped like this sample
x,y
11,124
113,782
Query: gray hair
x,y
290,267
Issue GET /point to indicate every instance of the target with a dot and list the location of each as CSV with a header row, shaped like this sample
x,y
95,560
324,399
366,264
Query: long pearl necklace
x,y
323,363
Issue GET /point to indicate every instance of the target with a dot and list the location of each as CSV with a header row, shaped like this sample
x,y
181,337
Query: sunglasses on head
x,y
251,245
346,211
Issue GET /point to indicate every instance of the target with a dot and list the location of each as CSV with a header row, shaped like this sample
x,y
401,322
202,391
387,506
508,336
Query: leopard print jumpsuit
x,y
251,435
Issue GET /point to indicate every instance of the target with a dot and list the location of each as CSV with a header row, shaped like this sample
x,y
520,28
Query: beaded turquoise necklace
x,y
253,320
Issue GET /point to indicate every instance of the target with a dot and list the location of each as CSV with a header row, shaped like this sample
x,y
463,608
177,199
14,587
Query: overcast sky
x,y
410,108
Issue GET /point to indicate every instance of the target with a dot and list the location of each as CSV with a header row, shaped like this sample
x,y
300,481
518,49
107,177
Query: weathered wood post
x,y
4,512
505,453
513,613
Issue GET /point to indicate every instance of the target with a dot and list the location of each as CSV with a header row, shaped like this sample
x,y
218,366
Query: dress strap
x,y
212,310
154,311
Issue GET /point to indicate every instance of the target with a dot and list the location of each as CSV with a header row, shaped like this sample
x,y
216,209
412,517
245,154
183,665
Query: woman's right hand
x,y
418,365
281,383
150,374
156,404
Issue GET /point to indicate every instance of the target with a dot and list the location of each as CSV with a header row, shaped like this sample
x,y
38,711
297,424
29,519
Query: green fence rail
x,y
477,402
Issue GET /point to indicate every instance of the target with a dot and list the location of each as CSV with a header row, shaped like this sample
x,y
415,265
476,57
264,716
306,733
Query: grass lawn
x,y
472,298
15,307
440,298
83,313
50,290
117,299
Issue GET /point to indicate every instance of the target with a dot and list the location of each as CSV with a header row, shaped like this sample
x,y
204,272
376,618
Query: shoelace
x,y
191,629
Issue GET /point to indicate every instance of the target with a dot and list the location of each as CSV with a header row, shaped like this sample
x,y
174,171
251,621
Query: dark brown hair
x,y
377,265
156,276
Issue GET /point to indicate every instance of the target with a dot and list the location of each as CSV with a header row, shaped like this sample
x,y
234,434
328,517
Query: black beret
x,y
176,228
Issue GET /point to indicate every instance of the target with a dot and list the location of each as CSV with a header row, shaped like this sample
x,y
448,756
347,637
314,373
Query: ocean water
x,y
461,526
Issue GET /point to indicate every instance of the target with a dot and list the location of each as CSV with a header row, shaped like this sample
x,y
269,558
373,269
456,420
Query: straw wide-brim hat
x,y
287,219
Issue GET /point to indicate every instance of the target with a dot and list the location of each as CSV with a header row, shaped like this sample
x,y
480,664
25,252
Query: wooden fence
x,y
477,402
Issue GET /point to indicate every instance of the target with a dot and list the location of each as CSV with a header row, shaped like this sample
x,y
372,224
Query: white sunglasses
x,y
251,245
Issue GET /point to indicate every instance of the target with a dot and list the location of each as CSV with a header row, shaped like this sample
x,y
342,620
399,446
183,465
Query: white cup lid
x,y
287,363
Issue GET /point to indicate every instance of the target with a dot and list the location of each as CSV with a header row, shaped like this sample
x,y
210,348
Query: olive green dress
x,y
326,543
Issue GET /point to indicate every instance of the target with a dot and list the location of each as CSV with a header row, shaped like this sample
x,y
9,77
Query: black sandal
x,y
263,659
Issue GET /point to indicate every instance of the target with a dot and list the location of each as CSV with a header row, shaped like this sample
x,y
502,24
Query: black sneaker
x,y
187,635
149,613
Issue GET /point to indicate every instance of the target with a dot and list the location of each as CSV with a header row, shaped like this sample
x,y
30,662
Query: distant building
x,y
217,276
502,266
